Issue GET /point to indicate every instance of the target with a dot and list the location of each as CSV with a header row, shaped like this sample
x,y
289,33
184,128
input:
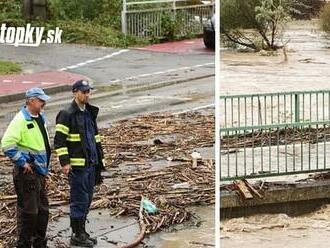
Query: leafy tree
x,y
256,24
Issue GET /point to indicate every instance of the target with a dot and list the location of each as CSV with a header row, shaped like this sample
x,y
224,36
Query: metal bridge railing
x,y
274,108
145,18
274,134
270,150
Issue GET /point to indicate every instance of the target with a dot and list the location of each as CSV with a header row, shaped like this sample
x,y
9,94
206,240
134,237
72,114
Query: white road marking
x,y
116,106
90,61
160,72
115,81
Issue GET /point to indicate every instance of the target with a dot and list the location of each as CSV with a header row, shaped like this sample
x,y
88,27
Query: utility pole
x,y
124,18
27,9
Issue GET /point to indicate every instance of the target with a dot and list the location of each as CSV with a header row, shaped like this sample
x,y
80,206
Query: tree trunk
x,y
35,9
27,9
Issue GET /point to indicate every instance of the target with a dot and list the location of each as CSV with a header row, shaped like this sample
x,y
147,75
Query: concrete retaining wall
x,y
292,199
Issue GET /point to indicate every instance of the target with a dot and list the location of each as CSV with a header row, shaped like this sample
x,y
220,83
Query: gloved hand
x,y
98,176
99,168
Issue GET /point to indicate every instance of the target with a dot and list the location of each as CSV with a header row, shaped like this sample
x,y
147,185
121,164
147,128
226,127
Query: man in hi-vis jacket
x,y
26,143
78,146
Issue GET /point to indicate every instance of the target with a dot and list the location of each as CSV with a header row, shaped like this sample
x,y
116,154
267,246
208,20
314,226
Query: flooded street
x,y
201,236
148,157
306,68
112,231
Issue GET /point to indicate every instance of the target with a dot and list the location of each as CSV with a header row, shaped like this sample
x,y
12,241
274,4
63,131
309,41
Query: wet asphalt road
x,y
104,64
125,67
174,98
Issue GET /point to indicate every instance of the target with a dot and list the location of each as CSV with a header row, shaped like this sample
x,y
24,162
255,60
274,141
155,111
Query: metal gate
x,y
153,18
274,134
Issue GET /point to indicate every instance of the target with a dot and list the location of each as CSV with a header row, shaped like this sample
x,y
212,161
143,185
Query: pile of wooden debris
x,y
178,183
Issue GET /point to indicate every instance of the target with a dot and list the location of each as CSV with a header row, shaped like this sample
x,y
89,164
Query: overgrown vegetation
x,y
7,67
93,22
102,12
257,24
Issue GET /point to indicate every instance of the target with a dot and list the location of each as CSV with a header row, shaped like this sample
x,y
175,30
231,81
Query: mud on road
x,y
146,156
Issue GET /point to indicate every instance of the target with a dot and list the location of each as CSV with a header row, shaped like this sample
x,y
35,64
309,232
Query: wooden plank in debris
x,y
148,176
244,189
194,164
8,197
252,189
58,203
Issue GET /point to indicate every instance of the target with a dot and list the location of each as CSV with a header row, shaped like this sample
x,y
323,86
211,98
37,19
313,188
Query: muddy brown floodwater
x,y
194,237
277,230
307,68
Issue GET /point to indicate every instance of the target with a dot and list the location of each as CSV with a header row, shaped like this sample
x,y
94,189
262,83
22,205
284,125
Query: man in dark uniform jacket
x,y
78,146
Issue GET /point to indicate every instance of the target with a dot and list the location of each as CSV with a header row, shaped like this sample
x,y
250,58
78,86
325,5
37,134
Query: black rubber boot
x,y
39,242
93,239
28,222
24,244
78,237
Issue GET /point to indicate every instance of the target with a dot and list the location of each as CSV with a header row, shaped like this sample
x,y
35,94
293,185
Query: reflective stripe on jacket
x,y
69,141
23,142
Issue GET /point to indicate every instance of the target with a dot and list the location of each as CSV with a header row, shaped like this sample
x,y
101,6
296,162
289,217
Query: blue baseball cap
x,y
81,85
37,92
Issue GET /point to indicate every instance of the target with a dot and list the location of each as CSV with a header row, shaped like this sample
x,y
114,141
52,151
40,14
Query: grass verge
x,y
7,68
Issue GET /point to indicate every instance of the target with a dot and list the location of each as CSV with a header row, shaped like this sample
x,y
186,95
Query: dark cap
x,y
81,85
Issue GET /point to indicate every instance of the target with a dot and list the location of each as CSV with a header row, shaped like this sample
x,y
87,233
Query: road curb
x,y
150,86
21,95
132,89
